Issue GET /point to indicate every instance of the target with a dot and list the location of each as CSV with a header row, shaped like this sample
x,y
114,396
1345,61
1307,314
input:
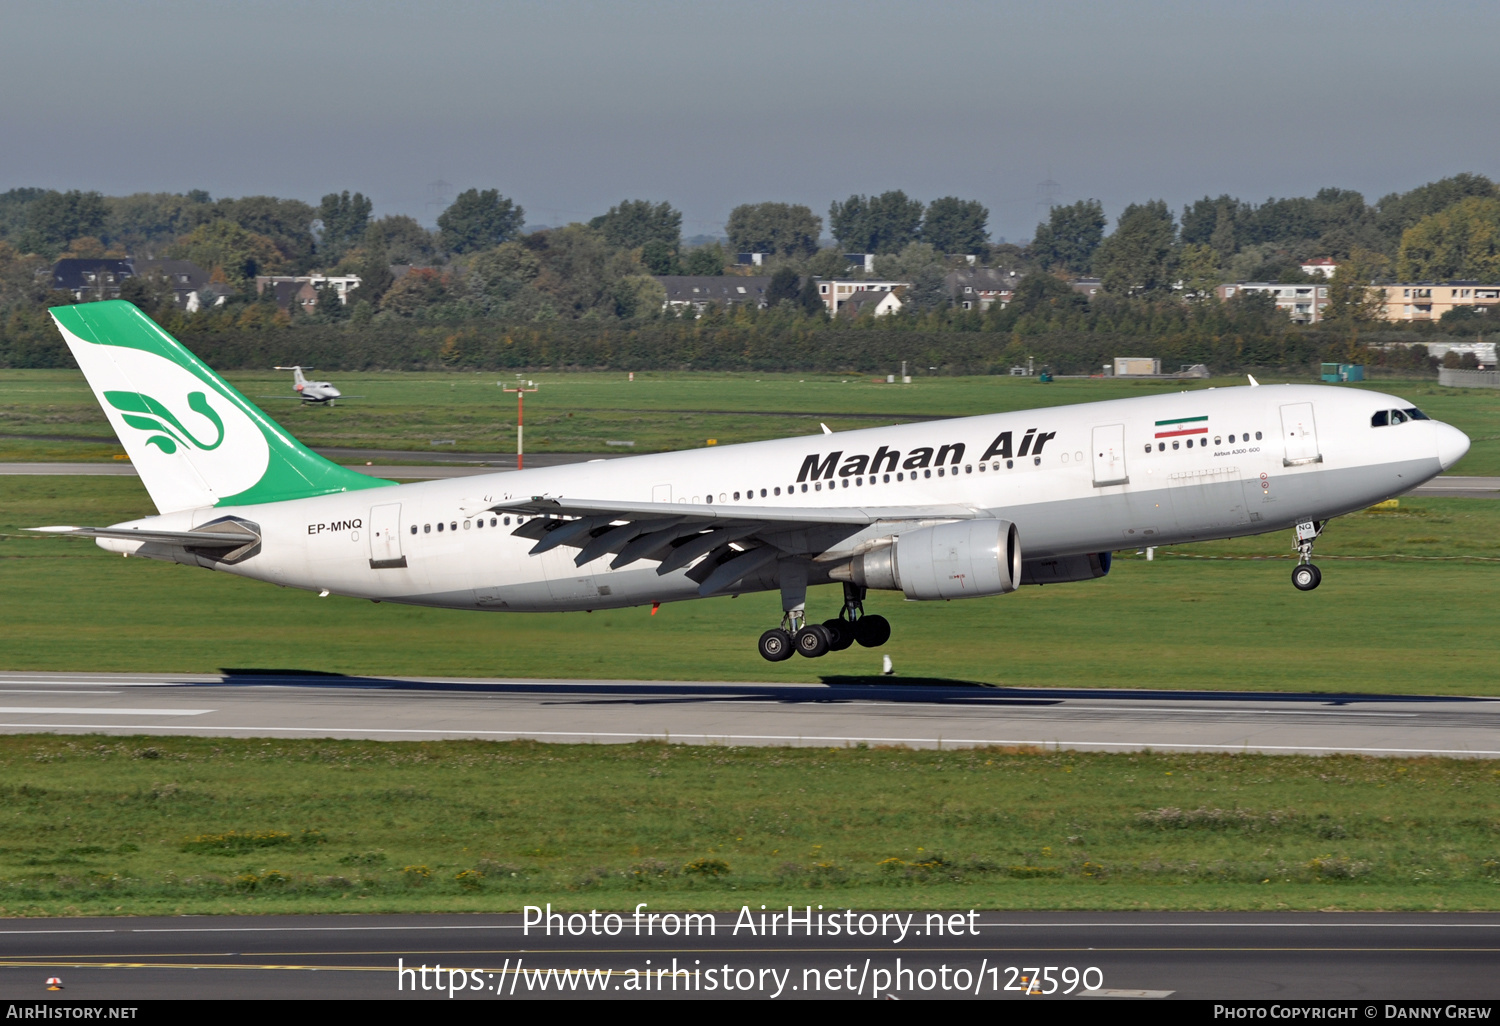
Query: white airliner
x,y
939,510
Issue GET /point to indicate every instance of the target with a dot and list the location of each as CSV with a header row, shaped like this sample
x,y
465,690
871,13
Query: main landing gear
x,y
1305,575
812,640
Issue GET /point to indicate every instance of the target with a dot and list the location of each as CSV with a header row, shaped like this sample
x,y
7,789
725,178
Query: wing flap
x,y
677,533
543,505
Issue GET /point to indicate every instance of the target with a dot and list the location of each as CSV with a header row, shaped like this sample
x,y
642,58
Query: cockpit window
x,y
1387,417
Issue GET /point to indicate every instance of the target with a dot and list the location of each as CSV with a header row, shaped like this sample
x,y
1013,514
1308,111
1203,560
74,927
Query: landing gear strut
x,y
869,631
1305,575
812,640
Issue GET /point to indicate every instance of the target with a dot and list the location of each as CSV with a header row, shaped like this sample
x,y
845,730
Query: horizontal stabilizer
x,y
196,539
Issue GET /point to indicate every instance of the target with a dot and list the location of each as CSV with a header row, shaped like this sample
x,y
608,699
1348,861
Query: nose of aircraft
x,y
1451,444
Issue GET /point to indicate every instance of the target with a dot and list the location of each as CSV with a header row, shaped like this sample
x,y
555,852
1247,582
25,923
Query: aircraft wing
x,y
736,540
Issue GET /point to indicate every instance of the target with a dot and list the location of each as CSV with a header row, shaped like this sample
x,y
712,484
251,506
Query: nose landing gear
x,y
1305,575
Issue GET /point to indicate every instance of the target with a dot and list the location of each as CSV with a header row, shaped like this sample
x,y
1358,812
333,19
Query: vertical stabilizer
x,y
193,438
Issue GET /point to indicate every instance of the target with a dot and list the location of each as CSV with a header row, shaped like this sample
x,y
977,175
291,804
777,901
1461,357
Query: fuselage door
x,y
661,493
1109,456
385,537
1300,435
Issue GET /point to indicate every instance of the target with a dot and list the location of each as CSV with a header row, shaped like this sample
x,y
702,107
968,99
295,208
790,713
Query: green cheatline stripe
x,y
1179,420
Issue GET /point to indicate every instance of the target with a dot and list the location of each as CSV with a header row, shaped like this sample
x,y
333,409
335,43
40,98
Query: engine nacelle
x,y
1062,569
965,559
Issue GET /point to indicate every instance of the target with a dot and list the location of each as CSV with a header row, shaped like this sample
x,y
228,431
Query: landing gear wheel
x,y
1306,577
812,641
776,645
840,634
872,631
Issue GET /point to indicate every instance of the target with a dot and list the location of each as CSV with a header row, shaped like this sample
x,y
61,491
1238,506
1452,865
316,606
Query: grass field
x,y
1407,606
48,415
149,825
94,825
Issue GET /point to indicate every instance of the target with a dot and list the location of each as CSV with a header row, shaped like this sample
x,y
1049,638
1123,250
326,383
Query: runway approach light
x,y
53,983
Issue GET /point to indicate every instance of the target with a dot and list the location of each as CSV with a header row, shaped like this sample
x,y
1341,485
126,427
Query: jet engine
x,y
965,559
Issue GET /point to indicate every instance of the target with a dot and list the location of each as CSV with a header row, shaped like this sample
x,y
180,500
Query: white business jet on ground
x,y
311,391
938,510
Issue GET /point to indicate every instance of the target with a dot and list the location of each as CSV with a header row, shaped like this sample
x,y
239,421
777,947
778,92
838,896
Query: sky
x,y
570,106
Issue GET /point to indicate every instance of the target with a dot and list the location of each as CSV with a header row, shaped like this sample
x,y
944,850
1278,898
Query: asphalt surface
x,y
1223,956
840,711
468,464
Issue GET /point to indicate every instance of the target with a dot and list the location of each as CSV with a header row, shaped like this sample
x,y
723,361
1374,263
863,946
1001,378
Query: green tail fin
x,y
193,438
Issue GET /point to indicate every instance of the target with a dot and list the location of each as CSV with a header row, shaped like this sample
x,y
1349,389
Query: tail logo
x,y
141,411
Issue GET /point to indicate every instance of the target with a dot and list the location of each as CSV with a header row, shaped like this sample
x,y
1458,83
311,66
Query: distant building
x,y
287,293
343,284
1427,301
860,263
91,278
1324,266
94,279
879,302
750,259
190,285
1304,304
1483,352
979,288
1086,286
835,292
699,290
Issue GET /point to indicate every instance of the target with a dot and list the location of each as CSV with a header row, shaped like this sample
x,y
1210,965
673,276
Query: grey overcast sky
x,y
569,106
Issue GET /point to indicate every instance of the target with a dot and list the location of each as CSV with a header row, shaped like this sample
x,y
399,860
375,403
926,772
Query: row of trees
x,y
1448,229
1067,336
480,264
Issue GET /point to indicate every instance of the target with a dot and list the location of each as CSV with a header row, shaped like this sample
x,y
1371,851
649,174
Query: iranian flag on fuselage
x,y
1182,426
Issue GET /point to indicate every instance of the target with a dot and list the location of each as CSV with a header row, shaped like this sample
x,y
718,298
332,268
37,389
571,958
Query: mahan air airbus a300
x,y
949,509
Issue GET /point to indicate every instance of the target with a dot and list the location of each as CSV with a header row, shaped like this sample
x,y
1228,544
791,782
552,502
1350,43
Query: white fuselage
x,y
1109,475
318,392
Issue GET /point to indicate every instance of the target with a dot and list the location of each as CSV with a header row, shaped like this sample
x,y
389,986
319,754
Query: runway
x,y
840,711
470,464
1221,956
